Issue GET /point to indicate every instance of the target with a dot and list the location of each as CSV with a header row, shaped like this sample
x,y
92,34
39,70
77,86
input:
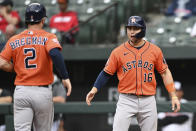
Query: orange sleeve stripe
x,y
170,87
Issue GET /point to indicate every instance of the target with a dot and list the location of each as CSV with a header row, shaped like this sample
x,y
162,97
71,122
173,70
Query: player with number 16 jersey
x,y
134,62
128,61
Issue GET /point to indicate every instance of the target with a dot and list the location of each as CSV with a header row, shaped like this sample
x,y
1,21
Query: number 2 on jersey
x,y
31,52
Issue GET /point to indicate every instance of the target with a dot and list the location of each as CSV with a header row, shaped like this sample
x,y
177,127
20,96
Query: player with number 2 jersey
x,y
31,47
33,53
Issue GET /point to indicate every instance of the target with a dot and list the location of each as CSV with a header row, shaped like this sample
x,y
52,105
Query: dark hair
x,y
6,2
32,23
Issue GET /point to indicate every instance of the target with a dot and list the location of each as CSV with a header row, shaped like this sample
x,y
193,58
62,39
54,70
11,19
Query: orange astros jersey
x,y
135,68
29,51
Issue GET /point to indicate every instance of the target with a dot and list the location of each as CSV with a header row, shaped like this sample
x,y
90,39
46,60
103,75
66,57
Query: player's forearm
x,y
6,66
58,99
167,77
168,81
6,99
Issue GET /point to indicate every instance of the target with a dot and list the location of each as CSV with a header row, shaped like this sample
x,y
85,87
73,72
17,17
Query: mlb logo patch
x,y
32,18
55,40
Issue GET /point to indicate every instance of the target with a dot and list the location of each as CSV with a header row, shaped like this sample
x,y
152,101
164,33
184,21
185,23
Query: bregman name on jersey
x,y
28,41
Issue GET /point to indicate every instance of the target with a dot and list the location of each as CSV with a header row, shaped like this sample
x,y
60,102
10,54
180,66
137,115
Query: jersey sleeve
x,y
6,53
53,43
112,64
161,64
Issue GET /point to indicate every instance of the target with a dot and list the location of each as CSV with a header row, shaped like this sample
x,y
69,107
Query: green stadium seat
x,y
19,3
51,10
21,11
85,34
103,26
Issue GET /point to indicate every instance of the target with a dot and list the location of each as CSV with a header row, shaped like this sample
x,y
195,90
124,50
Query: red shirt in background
x,y
4,23
64,21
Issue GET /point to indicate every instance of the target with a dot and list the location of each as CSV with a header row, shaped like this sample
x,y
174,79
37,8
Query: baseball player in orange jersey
x,y
135,61
33,53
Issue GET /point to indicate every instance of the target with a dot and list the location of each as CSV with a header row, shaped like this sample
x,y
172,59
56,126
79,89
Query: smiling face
x,y
132,31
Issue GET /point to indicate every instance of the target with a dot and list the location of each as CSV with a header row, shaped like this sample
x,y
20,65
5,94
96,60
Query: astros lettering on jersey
x,y
31,47
128,61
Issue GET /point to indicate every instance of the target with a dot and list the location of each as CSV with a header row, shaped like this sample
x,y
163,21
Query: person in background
x,y
181,8
59,96
7,15
10,31
65,21
180,121
5,97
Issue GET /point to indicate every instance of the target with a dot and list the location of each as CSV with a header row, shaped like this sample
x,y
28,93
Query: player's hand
x,y
67,84
175,104
91,95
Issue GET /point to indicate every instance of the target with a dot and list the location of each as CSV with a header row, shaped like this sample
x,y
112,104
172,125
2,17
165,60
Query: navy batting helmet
x,y
138,22
34,13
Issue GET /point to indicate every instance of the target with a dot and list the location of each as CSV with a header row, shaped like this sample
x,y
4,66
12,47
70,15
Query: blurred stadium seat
x,y
104,27
103,23
172,31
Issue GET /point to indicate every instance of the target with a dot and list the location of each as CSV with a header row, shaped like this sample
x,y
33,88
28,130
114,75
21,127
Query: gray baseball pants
x,y
33,105
144,108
